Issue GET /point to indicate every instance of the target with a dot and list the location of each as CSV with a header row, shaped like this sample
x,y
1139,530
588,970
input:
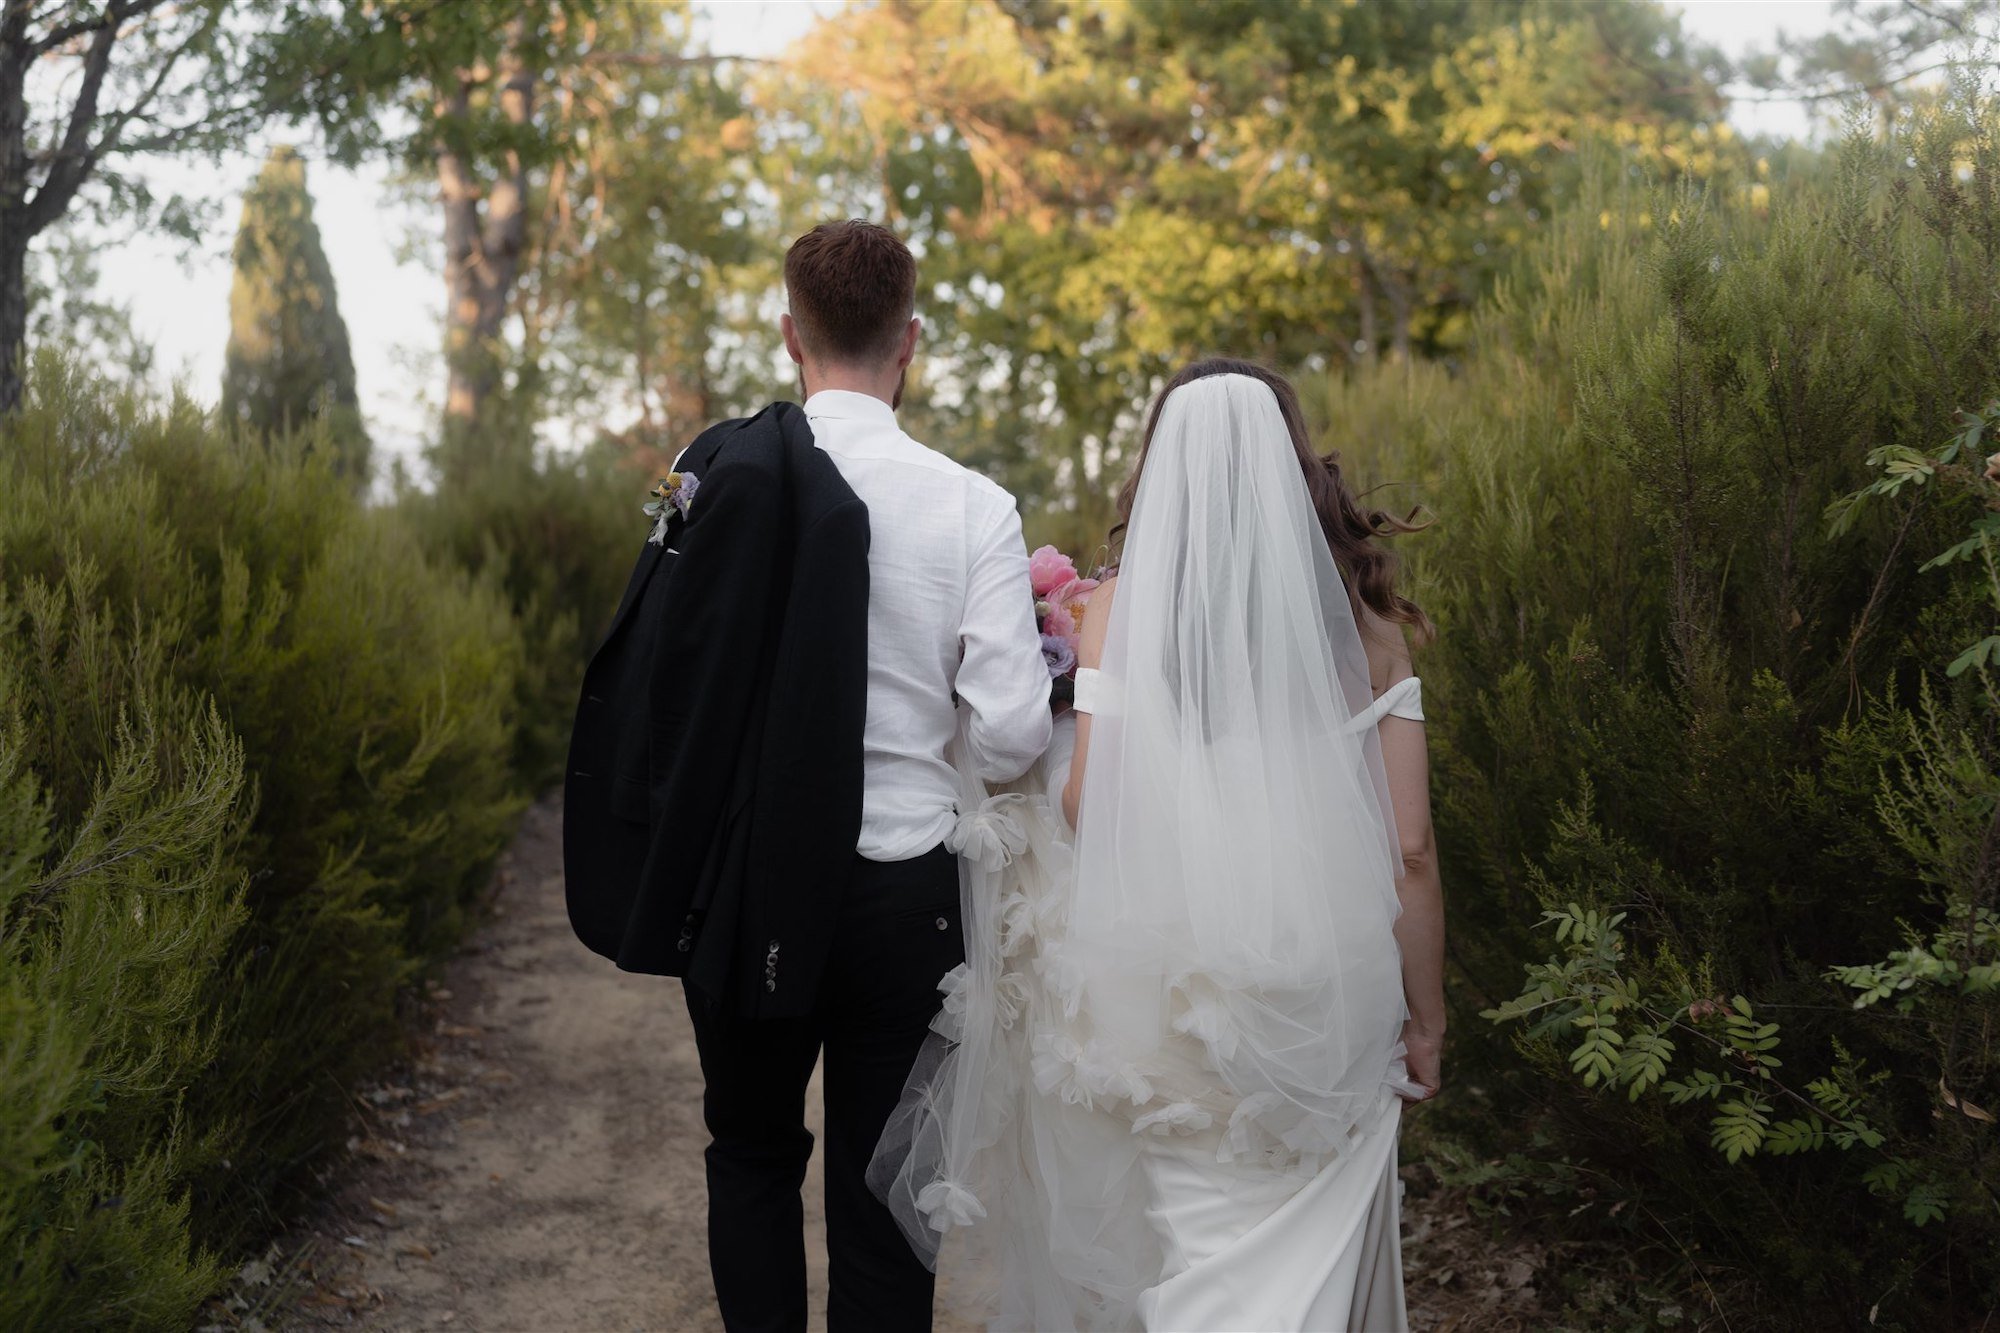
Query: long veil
x,y
1214,957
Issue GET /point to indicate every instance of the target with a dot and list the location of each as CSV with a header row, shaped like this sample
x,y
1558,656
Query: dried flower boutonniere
x,y
674,495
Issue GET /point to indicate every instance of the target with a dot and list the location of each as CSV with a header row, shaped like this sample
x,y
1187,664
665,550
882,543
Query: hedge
x,y
1715,747
255,754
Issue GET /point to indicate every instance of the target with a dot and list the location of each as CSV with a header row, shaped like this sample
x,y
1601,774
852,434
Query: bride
x,y
1165,1086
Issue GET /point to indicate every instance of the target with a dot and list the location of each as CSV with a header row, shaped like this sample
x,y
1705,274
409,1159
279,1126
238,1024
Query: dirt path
x,y
537,1169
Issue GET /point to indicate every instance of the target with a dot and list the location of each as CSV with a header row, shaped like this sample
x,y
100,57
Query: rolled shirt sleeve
x,y
1002,676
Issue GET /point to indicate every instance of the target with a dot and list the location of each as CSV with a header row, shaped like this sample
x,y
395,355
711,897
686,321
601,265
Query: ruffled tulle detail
x,y
1085,1073
1173,1118
992,834
1010,999
947,1204
950,1020
1207,1022
1017,924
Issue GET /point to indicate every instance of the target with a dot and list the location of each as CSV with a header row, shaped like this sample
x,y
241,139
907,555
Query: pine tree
x,y
288,363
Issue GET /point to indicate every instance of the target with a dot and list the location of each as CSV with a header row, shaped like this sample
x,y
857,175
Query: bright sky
x,y
393,301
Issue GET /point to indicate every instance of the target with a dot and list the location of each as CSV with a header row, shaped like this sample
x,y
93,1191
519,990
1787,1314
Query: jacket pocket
x,y
630,801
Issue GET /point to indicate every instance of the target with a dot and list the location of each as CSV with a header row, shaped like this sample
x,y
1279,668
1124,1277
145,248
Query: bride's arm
x,y
1420,929
1089,652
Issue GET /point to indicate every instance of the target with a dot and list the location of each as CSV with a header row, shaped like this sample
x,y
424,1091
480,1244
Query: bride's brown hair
x,y
1354,531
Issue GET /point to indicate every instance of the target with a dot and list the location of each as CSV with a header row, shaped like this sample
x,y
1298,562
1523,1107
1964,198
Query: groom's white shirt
x,y
949,611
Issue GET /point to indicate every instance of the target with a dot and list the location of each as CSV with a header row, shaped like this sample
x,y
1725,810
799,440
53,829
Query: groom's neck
x,y
881,382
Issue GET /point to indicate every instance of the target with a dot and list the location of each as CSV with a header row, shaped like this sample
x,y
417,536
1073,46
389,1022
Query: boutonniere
x,y
674,494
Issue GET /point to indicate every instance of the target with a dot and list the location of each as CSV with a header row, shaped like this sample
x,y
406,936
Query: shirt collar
x,y
847,405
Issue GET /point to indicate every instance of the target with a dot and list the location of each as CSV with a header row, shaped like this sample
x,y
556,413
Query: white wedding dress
x,y
1163,1090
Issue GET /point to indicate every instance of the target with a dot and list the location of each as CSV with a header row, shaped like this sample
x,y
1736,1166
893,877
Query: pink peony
x,y
1077,590
1066,604
1049,569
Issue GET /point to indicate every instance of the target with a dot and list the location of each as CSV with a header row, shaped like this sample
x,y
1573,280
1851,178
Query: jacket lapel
x,y
642,570
696,460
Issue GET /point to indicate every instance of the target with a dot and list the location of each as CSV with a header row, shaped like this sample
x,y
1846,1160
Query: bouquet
x,y
1061,594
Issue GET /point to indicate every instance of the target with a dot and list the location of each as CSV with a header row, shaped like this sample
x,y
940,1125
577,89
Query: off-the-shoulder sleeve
x,y
1093,692
1403,699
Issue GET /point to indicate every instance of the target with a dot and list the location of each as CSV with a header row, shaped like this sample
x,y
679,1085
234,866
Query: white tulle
x,y
1209,965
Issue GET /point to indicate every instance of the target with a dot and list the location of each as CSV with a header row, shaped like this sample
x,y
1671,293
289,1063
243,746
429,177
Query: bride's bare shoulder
x,y
1388,649
1096,616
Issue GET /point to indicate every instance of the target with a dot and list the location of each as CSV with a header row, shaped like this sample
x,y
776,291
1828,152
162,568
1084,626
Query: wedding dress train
x,y
1325,1258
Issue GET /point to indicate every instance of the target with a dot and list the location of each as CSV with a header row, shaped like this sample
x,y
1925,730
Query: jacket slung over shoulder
x,y
713,797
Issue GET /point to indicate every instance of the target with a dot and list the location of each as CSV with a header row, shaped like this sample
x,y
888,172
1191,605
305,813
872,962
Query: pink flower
x,y
1066,603
1077,590
1049,569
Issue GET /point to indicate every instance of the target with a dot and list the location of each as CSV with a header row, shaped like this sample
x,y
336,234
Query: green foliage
x,y
1103,191
111,930
639,287
1955,463
253,764
1708,718
555,539
288,364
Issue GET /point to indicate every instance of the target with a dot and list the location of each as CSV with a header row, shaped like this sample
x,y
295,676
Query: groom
x,y
810,668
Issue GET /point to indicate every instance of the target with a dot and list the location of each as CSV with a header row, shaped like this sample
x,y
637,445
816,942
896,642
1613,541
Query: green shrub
x,y
557,538
113,930
253,764
1702,759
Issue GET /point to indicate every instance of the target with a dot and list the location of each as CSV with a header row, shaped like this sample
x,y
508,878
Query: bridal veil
x,y
1210,960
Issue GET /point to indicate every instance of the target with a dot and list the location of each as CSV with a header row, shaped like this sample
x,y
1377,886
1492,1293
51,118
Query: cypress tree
x,y
288,364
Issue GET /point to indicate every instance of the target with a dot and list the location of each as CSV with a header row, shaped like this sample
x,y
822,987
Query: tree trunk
x,y
69,164
482,259
1378,281
13,318
1368,346
14,58
1399,315
649,431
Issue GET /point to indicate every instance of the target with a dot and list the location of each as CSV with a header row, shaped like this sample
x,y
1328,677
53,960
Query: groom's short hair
x,y
853,288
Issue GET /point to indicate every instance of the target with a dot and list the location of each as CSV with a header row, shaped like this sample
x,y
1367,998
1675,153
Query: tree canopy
x,y
1101,190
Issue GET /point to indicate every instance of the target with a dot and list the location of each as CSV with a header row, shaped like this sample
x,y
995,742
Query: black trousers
x,y
898,933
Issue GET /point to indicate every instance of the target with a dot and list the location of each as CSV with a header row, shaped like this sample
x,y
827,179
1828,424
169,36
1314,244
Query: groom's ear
x,y
909,350
793,347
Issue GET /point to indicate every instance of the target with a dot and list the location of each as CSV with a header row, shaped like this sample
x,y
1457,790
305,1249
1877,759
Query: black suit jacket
x,y
713,798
